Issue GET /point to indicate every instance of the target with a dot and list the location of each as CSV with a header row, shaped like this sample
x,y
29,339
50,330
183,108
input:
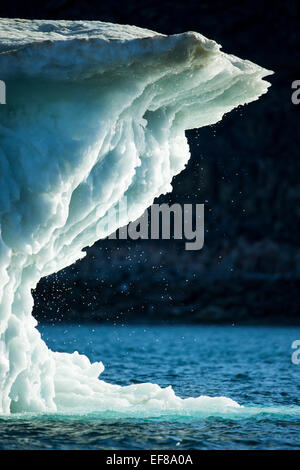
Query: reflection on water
x,y
248,364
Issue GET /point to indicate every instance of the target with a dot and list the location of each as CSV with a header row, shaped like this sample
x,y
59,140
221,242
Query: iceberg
x,y
95,113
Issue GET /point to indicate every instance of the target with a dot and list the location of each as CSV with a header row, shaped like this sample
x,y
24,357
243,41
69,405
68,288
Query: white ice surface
x,y
95,112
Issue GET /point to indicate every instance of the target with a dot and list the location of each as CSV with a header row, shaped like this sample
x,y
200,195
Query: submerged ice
x,y
95,113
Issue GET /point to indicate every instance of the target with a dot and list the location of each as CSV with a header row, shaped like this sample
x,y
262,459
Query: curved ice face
x,y
95,113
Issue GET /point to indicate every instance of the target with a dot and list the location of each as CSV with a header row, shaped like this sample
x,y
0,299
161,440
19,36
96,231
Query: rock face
x,y
95,117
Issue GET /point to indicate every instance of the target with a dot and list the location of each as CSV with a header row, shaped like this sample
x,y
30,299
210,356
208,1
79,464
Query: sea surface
x,y
251,365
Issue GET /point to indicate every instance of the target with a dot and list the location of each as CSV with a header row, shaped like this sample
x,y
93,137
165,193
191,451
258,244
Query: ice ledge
x,y
50,49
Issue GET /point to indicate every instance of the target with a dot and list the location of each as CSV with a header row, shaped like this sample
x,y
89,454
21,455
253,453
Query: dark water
x,y
251,365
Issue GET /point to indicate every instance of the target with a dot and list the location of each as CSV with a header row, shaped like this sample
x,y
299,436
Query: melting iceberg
x,y
95,113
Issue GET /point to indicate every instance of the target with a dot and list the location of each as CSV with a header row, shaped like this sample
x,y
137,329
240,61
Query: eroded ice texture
x,y
95,112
